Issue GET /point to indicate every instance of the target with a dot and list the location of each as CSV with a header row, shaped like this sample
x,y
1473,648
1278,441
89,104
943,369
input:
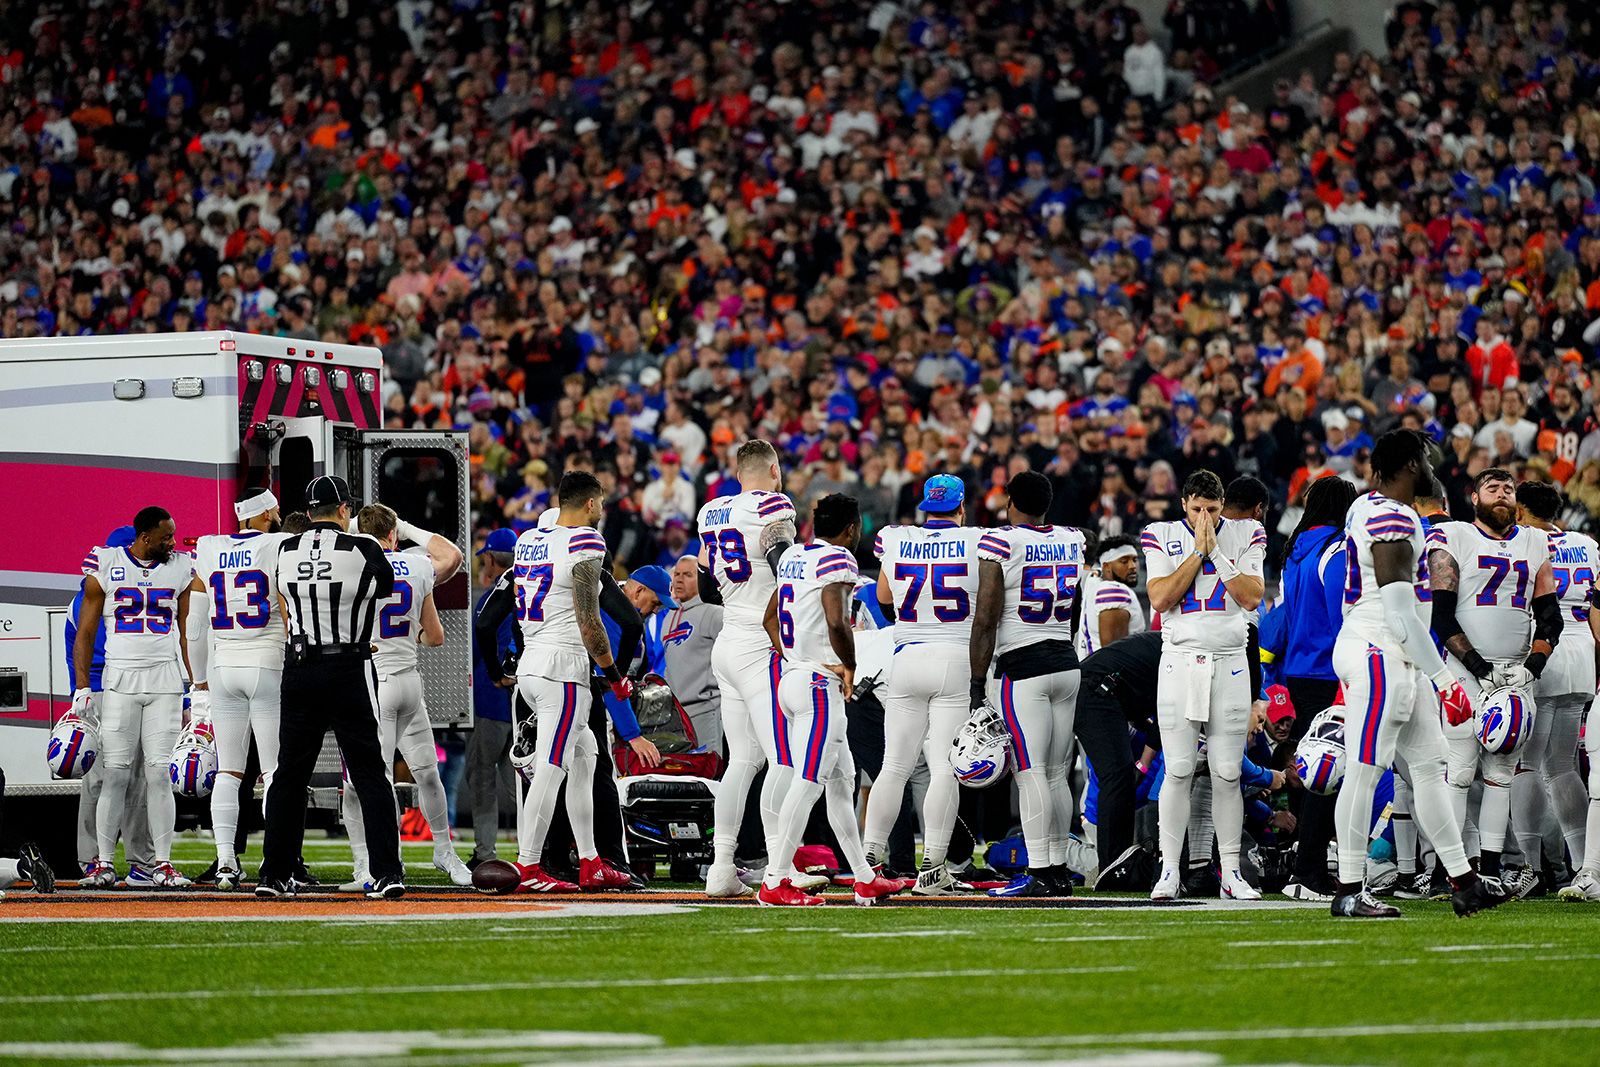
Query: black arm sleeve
x,y
497,608
1547,623
708,590
775,554
615,603
377,566
887,607
1446,626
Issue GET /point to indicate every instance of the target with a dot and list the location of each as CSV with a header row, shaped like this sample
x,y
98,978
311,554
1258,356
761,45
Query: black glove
x,y
980,693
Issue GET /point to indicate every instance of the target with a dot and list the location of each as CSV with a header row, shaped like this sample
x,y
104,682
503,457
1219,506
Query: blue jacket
x,y
98,663
490,701
1313,598
621,711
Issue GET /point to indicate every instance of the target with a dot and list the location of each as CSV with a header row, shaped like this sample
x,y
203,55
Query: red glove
x,y
622,688
1457,706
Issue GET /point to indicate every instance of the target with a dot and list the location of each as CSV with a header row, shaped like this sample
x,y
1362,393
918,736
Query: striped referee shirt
x,y
332,582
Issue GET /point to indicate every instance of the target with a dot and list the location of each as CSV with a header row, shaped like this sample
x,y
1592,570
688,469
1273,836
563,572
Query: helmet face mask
x,y
1319,758
73,747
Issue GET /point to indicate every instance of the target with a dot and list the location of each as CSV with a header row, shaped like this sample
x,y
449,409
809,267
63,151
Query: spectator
x,y
670,495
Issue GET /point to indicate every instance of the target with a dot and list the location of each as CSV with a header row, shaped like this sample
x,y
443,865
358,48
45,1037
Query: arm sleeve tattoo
x,y
586,605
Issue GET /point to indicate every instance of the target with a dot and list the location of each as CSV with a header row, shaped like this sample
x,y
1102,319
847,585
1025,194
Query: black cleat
x,y
1480,894
1201,880
32,866
302,874
209,877
1362,905
1057,882
387,889
1440,888
276,890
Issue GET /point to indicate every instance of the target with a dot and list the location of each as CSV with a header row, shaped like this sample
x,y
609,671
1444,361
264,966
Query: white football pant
x,y
404,727
748,669
1547,779
145,723
1209,693
1468,761
244,702
566,747
1038,715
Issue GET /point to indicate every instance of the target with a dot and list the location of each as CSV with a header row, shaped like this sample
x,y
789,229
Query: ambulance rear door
x,y
425,476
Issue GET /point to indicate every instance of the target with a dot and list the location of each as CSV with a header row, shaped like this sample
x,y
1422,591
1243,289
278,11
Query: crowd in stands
x,y
894,238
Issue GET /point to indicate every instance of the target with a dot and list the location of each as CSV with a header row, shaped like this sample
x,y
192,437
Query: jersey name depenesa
x,y
545,608
1207,619
1371,519
238,572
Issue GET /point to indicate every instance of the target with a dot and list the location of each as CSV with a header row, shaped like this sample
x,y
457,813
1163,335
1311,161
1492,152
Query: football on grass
x,y
495,876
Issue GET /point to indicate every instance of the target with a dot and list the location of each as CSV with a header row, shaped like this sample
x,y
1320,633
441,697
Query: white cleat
x,y
934,881
229,877
808,883
1169,885
1519,881
450,863
1234,887
722,882
360,882
1584,889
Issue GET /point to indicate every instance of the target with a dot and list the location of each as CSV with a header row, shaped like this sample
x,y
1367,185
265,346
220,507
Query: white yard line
x,y
118,996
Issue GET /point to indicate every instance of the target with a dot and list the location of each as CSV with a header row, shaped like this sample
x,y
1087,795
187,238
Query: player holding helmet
x,y
1496,610
1394,679
1029,576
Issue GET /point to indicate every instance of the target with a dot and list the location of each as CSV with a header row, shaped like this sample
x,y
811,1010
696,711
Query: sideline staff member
x,y
331,583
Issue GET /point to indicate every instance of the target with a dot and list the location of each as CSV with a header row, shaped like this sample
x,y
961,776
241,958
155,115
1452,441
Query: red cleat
x,y
535,880
868,893
598,874
785,896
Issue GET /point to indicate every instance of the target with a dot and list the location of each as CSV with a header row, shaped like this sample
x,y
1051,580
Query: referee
x,y
331,583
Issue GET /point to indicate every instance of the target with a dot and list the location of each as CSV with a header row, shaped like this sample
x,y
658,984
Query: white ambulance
x,y
94,428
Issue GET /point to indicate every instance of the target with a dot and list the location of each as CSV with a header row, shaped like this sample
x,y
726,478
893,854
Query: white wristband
x,y
1443,680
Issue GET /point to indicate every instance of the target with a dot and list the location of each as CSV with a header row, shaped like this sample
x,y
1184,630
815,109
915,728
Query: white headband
x,y
256,505
1120,552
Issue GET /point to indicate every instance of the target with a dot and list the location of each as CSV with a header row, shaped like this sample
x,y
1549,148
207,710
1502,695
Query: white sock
x,y
225,816
728,810
537,807
1432,807
884,803
163,809
1060,811
1033,798
841,799
355,825
580,800
773,791
1494,815
435,806
1172,809
109,811
799,798
1227,817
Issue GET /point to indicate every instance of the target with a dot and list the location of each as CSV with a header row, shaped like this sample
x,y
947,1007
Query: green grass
x,y
1164,988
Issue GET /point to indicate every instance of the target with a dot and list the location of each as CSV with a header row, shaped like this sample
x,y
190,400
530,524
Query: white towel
x,y
1197,705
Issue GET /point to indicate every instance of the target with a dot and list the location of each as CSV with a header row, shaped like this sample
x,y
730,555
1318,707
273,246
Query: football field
x,y
451,978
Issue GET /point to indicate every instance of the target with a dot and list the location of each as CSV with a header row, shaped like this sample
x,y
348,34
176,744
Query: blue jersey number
x,y
785,620
1047,593
1565,577
950,605
258,609
735,557
533,585
1217,601
1498,567
392,620
143,610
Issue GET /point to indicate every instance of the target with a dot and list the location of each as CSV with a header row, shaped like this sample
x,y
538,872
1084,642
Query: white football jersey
x,y
1574,561
141,610
1494,597
1373,518
238,571
400,617
730,532
933,574
1207,619
1043,567
552,644
803,573
1099,594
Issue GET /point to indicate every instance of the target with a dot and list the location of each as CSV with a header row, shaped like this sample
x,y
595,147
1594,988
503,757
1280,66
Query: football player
x,y
927,583
808,618
1205,577
234,614
406,620
1547,771
1496,610
1110,610
554,588
741,540
30,862
1395,680
1029,575
143,592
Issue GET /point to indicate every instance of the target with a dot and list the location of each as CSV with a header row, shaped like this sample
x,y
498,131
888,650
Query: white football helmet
x,y
1503,720
193,769
73,747
1320,764
1328,725
981,752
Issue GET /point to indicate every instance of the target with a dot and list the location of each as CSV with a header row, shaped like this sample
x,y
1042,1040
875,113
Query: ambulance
x,y
94,428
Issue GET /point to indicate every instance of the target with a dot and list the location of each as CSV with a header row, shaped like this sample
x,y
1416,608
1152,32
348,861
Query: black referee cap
x,y
328,491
